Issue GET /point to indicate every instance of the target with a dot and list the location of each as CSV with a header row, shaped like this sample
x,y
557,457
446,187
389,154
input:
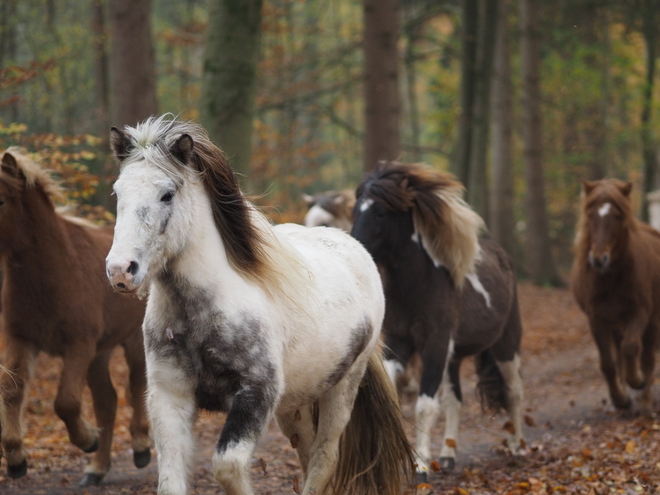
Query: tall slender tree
x,y
132,64
501,219
381,81
540,261
229,77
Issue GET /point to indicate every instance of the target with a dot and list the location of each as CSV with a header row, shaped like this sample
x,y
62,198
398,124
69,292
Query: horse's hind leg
x,y
298,427
514,397
335,407
139,428
20,362
104,398
648,365
451,402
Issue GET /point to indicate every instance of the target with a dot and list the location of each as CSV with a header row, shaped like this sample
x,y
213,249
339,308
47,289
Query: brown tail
x,y
375,457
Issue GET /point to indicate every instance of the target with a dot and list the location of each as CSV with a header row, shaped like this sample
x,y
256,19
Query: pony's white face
x,y
154,216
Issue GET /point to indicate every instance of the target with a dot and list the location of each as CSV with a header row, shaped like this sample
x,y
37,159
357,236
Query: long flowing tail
x,y
375,457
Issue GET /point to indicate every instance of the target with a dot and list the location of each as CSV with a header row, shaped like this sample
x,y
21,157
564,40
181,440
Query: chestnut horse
x,y
56,299
616,281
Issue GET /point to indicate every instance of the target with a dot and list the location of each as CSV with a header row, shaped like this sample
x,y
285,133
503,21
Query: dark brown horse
x,y
616,281
56,299
448,296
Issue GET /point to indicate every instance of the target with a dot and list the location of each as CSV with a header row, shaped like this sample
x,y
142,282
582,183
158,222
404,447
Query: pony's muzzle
x,y
123,275
599,262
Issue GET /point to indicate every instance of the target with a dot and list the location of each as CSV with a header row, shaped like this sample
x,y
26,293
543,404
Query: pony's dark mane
x,y
599,192
153,141
448,227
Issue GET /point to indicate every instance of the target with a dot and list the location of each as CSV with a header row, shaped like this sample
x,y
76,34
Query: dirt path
x,y
575,442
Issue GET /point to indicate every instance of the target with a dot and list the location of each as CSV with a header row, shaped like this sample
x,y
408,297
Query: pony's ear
x,y
626,188
182,148
10,165
120,144
309,200
339,200
587,186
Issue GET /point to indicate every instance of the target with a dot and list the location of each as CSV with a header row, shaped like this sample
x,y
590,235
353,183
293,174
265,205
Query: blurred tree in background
x,y
597,97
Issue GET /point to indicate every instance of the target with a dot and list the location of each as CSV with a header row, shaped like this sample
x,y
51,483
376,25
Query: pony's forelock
x,y
448,227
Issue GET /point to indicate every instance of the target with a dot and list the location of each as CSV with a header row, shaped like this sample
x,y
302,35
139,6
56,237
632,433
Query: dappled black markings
x,y
225,359
359,340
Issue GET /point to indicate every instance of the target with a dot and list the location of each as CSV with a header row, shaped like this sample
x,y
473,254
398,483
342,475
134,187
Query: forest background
x,y
579,73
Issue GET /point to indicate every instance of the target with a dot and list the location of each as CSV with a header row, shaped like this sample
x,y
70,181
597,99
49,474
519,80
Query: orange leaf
x,y
529,421
451,443
435,466
508,426
424,489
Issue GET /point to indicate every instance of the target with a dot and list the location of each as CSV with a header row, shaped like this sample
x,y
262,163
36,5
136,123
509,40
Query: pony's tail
x,y
491,387
375,457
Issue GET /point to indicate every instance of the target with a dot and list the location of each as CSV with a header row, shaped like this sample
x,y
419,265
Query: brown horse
x,y
616,281
56,299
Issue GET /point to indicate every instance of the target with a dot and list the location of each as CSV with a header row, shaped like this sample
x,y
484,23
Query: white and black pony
x,y
449,296
253,320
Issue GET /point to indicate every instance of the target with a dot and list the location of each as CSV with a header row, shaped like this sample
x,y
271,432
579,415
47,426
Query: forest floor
x,y
575,442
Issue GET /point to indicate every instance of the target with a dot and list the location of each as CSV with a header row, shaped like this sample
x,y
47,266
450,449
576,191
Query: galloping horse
x,y
449,296
330,209
616,281
56,299
250,319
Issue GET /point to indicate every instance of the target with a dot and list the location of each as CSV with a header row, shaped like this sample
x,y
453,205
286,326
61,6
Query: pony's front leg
x,y
20,362
76,362
609,366
172,409
251,409
452,400
648,365
631,350
427,407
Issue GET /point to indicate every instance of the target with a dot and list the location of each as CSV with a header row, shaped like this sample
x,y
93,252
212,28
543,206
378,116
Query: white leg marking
x,y
452,408
605,209
478,286
427,410
394,369
232,468
511,372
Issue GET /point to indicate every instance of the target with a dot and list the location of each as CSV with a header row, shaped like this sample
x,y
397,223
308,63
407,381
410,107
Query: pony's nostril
x,y
121,285
132,268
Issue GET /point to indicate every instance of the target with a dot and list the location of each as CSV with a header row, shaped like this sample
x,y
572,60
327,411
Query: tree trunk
x,y
461,159
411,76
476,185
9,49
648,145
502,222
132,65
381,31
540,262
102,113
231,60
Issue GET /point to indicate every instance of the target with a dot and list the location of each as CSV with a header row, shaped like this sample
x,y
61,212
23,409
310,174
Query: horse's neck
x,y
204,264
409,267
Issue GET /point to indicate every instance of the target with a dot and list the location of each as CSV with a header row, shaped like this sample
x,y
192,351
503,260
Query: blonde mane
x,y
448,227
34,175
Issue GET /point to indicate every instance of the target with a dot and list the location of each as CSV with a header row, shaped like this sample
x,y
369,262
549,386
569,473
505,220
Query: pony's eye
x,y
167,197
2,201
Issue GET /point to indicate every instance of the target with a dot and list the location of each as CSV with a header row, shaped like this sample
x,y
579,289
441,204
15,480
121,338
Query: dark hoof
x,y
623,404
637,386
422,477
17,471
447,463
93,448
141,459
91,479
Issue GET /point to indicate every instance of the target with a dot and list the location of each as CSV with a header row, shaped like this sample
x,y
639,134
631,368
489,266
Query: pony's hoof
x,y
17,471
141,459
447,463
91,479
624,404
422,477
93,448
